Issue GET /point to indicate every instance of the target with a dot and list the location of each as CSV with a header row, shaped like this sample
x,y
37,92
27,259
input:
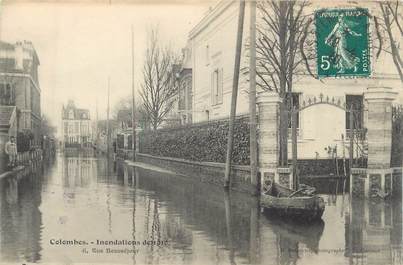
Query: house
x,y
76,126
19,85
184,80
212,43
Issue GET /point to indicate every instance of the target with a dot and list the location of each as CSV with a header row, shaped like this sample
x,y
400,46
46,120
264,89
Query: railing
x,y
24,158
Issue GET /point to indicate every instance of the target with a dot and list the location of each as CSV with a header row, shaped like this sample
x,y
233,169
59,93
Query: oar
x,y
296,192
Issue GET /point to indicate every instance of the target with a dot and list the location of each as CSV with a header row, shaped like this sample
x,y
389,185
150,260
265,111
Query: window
x,y
182,95
120,141
185,94
76,127
71,129
7,95
130,141
189,94
207,55
217,87
7,64
295,104
66,127
71,114
356,102
84,129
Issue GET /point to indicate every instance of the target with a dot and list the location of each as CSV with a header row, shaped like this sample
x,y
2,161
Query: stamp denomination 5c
x,y
342,42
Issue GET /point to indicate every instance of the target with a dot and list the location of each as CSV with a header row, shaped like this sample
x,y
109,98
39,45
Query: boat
x,y
301,205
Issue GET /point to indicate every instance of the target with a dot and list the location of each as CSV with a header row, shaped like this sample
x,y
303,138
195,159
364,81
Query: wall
x,y
23,75
320,126
83,127
203,171
220,37
27,101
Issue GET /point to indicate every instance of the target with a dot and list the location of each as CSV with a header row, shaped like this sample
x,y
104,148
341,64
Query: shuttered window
x,y
217,86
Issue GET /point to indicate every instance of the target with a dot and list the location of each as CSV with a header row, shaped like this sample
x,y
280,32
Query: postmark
x,y
342,43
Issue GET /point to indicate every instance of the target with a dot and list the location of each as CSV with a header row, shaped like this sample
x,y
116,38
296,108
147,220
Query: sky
x,y
81,44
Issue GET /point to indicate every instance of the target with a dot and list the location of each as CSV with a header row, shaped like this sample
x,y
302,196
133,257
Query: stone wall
x,y
379,126
208,172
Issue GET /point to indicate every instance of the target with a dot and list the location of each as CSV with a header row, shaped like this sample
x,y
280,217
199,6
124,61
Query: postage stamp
x,y
342,43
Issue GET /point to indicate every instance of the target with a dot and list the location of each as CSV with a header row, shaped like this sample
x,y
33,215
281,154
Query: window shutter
x,y
220,85
212,89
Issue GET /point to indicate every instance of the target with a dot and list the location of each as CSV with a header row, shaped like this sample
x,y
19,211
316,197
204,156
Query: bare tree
x,y
389,29
159,88
124,107
283,51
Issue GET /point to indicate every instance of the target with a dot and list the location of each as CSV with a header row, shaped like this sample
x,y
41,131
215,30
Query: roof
x,y
78,114
26,45
211,14
83,114
6,45
6,115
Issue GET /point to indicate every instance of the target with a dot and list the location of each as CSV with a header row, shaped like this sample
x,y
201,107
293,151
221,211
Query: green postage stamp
x,y
342,43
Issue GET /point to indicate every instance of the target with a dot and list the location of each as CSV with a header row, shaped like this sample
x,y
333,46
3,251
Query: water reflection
x,y
20,218
88,198
374,231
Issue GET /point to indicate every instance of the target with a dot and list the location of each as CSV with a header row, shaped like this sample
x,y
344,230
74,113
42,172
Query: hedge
x,y
205,142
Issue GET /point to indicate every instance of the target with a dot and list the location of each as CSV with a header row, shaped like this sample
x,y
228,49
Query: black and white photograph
x,y
197,132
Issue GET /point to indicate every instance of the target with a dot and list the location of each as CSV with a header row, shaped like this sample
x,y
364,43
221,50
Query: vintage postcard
x,y
201,132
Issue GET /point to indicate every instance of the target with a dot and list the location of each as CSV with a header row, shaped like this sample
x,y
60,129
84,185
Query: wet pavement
x,y
84,209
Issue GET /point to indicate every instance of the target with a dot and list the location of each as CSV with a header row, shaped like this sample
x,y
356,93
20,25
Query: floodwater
x,y
82,209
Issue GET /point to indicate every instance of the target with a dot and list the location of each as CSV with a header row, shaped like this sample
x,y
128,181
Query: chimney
x,y
19,56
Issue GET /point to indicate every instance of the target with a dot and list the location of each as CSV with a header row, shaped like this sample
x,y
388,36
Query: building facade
x,y
76,126
185,93
19,85
321,127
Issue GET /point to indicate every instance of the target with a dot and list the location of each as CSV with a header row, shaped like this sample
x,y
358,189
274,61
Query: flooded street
x,y
84,209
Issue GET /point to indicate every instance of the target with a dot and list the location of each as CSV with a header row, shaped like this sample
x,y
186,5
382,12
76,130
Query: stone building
x,y
212,43
19,84
76,126
184,79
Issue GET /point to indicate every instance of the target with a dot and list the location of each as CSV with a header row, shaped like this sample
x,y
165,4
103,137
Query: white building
x,y
76,126
213,41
